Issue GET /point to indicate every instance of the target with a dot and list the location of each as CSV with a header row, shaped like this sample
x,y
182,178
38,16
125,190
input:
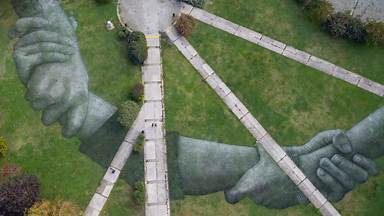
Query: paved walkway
x,y
147,16
113,172
155,153
253,126
285,50
366,9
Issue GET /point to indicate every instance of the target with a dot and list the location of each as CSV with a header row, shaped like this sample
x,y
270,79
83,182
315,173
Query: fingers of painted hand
x,y
345,180
53,113
354,171
27,25
342,143
74,120
366,163
320,140
336,189
26,63
44,90
42,36
47,47
251,181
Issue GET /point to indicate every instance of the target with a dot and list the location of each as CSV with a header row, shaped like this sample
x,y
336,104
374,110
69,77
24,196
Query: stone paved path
x,y
285,50
366,9
253,126
155,153
113,172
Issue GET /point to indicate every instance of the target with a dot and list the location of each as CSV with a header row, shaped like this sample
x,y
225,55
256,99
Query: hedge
x,y
195,3
128,113
137,48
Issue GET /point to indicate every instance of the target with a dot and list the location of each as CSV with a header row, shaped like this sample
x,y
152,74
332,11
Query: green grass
x,y
63,171
292,101
286,21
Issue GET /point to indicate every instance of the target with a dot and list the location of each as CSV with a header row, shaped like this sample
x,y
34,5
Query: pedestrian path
x,y
283,49
113,172
155,153
251,123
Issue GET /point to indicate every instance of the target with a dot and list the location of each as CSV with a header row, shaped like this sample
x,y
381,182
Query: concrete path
x,y
106,185
155,153
147,16
285,50
253,126
366,9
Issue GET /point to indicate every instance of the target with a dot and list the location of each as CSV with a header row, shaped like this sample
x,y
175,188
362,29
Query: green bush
x,y
195,3
137,93
139,192
137,48
319,10
343,25
122,32
185,25
103,1
375,33
128,113
3,147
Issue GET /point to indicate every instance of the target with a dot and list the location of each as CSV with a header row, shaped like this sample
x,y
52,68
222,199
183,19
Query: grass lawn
x,y
292,101
63,171
285,21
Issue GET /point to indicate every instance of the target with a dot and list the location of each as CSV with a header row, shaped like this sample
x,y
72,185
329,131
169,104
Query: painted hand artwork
x,y
49,64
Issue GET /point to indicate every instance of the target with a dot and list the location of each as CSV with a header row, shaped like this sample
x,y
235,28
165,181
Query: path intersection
x,y
153,17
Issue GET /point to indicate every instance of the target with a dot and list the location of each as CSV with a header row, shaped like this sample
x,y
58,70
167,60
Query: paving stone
x,y
151,193
122,155
197,62
273,149
153,42
150,171
296,55
182,45
212,81
266,43
105,188
153,133
317,199
172,34
346,75
321,65
328,210
253,126
186,8
153,56
156,210
97,203
203,16
225,25
371,86
91,212
149,150
291,170
152,73
153,110
236,105
111,175
222,89
152,91
273,42
307,187
249,35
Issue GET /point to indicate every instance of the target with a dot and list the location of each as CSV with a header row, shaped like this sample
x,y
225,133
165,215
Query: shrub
x,y
18,195
9,171
185,25
48,208
319,10
139,192
195,3
3,147
139,146
122,32
103,1
137,48
137,92
375,33
342,25
128,113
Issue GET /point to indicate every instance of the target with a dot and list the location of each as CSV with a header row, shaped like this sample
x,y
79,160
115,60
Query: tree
x,y
128,113
18,195
137,92
3,147
49,208
137,48
185,25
